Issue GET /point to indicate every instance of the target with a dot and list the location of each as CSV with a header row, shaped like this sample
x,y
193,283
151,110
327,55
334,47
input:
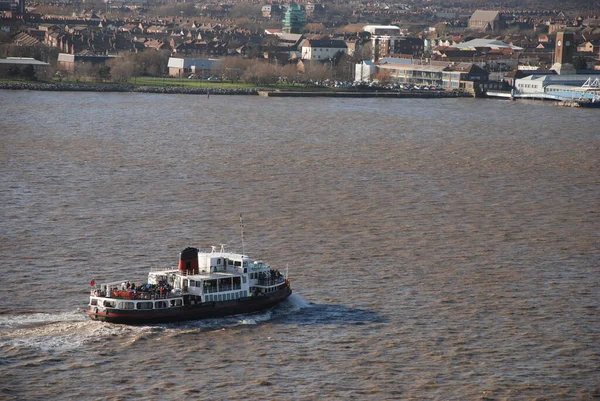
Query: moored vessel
x,y
206,284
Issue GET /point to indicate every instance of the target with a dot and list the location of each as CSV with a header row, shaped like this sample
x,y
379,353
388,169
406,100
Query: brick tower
x,y
563,53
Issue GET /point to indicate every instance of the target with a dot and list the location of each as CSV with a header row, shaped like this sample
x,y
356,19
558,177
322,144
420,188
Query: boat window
x,y
245,263
144,305
94,301
230,262
175,302
236,283
109,304
238,263
125,305
244,279
192,283
210,286
160,304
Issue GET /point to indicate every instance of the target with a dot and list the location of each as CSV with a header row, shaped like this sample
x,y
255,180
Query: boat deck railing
x,y
269,282
133,295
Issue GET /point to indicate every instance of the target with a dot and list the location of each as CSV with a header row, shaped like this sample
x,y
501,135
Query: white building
x,y
364,70
383,39
538,83
322,49
564,86
390,30
180,67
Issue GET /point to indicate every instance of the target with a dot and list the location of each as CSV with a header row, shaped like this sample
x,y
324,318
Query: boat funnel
x,y
188,261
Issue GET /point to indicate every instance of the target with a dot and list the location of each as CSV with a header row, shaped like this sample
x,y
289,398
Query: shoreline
x,y
68,87
39,86
366,93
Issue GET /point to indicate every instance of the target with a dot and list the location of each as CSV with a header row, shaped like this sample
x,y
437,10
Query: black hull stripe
x,y
191,312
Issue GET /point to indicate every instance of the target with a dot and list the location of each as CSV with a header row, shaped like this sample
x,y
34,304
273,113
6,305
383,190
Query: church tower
x,y
563,53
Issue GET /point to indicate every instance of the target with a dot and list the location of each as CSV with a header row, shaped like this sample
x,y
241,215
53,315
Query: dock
x,y
568,99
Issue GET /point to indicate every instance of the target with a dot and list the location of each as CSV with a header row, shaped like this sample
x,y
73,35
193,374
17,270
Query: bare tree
x,y
84,72
232,68
122,68
315,71
151,62
384,77
289,73
365,52
344,68
260,73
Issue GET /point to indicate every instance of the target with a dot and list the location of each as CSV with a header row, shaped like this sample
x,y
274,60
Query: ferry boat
x,y
206,284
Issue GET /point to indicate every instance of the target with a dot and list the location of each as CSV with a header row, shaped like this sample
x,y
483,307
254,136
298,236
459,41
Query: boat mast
x,y
242,233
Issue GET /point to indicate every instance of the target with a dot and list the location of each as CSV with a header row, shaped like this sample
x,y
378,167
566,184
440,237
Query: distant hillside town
x,y
356,41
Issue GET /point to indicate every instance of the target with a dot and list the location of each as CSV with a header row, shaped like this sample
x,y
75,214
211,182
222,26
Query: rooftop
x,y
22,61
485,15
491,43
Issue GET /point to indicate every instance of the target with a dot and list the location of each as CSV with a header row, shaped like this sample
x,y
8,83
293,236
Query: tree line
x,y
232,69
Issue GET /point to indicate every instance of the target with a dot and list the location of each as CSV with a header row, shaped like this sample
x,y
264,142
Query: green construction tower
x,y
294,19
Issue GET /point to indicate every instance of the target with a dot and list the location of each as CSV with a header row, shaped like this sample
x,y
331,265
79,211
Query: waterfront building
x,y
322,49
559,87
364,70
19,63
442,74
181,67
67,62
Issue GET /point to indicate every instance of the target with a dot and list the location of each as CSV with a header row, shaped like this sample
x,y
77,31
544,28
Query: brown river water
x,y
439,249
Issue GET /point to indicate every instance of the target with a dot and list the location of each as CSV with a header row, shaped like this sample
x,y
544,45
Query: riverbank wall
x,y
126,88
74,87
364,94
